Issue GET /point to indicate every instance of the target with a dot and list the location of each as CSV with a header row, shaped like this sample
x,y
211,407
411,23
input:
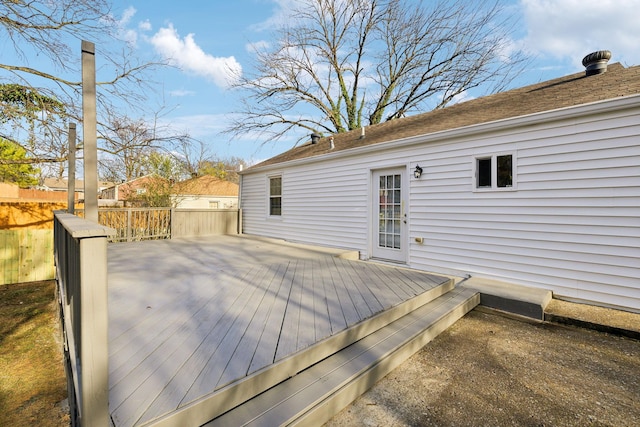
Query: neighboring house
x,y
205,192
121,194
538,186
61,185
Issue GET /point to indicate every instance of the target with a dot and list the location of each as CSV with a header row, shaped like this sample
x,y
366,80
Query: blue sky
x,y
201,40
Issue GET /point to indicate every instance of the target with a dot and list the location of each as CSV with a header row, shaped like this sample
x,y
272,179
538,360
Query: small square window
x,y
495,172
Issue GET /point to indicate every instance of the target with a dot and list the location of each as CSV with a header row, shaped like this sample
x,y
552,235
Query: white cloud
x,y
281,15
127,15
187,55
128,35
181,92
198,125
570,29
144,25
258,46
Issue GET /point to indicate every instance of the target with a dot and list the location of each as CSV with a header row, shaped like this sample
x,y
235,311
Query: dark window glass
x,y
505,171
275,206
484,172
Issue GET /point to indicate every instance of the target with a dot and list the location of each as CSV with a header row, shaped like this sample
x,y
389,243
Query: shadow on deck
x,y
198,327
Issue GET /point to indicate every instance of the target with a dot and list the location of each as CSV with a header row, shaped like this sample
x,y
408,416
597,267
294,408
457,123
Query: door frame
x,y
400,255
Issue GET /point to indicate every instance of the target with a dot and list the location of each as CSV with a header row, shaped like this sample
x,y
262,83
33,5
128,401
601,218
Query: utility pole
x,y
89,131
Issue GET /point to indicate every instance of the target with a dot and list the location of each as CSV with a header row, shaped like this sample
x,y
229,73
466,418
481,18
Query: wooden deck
x,y
197,324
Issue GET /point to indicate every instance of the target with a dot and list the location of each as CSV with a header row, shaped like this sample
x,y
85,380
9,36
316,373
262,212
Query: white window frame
x,y
269,196
494,172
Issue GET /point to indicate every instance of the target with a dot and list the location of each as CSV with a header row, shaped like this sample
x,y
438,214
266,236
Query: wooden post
x,y
129,231
89,131
71,175
94,318
81,263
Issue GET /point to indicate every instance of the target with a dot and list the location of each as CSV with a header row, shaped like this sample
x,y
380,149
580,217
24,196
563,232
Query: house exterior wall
x,y
570,223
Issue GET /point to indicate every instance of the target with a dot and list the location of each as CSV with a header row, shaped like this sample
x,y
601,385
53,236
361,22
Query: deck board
x,y
192,316
265,351
288,338
337,320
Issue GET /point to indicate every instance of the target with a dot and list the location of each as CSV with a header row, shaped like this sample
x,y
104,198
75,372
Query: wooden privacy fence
x,y
204,222
26,256
80,253
134,224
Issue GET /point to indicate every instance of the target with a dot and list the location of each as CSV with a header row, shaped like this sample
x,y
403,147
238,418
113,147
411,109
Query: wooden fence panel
x,y
26,256
203,222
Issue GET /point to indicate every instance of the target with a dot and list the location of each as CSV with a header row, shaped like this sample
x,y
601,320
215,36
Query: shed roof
x,y
571,90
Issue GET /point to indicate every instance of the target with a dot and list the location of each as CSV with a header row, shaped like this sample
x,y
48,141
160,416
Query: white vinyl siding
x,y
572,226
336,201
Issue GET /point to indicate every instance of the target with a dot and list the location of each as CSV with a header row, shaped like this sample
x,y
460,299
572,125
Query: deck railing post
x,y
94,352
81,274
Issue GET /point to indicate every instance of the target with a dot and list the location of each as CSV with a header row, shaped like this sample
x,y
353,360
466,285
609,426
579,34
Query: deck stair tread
x,y
315,394
510,297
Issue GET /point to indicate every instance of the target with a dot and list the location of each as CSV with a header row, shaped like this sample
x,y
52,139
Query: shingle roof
x,y
571,90
206,185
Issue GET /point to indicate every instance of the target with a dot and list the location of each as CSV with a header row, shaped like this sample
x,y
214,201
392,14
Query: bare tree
x,y
342,64
136,147
192,155
224,169
52,30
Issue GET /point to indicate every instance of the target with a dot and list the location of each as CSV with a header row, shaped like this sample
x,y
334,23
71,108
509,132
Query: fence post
x,y
129,231
171,218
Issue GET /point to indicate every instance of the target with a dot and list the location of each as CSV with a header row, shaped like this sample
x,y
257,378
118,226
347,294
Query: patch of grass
x,y
32,377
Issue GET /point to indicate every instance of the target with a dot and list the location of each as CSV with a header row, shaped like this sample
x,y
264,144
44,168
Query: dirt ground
x,y
488,370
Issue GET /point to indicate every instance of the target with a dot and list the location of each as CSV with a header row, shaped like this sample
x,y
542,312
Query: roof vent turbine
x,y
315,137
596,62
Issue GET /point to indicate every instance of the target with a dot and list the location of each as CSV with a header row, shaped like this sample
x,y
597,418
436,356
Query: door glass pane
x,y
390,210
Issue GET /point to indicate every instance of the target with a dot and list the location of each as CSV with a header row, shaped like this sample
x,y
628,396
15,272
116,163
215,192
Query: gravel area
x,y
490,370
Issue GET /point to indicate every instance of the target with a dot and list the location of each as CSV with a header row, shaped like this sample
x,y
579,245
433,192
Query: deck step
x,y
237,393
316,394
511,298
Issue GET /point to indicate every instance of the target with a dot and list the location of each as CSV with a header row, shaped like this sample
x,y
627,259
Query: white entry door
x,y
389,215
